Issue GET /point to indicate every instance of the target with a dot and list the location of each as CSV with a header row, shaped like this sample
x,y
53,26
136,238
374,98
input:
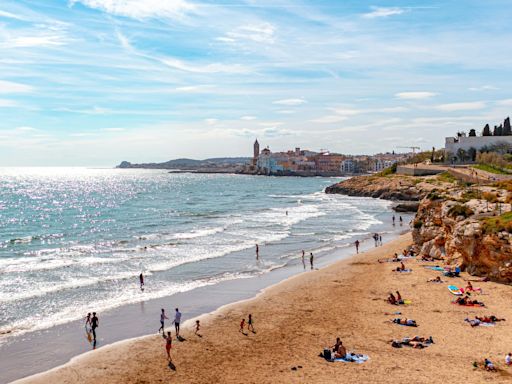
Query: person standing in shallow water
x,y
162,321
311,259
401,220
141,279
393,218
357,246
94,324
303,259
257,252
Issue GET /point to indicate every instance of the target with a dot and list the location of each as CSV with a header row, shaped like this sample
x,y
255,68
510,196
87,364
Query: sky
x,y
95,82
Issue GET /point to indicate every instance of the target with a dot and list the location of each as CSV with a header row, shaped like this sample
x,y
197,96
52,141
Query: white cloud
x,y
10,15
383,12
344,111
484,88
211,121
415,95
7,103
194,88
140,9
271,123
260,33
114,129
50,40
248,118
287,111
506,102
26,129
11,87
329,119
125,42
461,106
290,102
206,68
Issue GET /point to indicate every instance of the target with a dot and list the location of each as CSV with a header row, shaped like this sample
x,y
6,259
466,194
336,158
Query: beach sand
x,y
295,319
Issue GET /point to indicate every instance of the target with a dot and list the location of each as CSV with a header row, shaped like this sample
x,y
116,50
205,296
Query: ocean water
x,y
75,240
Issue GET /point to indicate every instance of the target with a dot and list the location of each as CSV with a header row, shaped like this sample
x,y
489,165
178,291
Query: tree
x,y
506,127
472,154
486,131
472,133
497,131
461,155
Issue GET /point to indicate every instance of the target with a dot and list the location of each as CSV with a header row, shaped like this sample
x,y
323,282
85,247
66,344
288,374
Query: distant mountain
x,y
191,164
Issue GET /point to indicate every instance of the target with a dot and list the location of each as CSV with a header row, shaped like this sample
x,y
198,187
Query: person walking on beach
x,y
257,252
393,218
376,238
141,280
311,259
303,260
88,322
168,344
242,326
177,319
357,246
162,321
250,324
401,220
94,324
197,328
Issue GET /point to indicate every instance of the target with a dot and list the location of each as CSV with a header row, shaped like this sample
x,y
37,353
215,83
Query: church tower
x,y
256,148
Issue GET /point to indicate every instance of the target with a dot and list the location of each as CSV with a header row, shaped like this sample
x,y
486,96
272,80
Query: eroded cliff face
x,y
441,231
402,188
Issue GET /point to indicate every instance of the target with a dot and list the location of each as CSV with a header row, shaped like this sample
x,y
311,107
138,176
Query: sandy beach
x,y
296,318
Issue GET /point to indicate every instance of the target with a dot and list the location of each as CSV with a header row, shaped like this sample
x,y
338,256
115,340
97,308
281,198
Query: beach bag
x,y
327,354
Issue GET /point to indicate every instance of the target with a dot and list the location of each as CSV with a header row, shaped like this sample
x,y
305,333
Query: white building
x,y
453,145
348,166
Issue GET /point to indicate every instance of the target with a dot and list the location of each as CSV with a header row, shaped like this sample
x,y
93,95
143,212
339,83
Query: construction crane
x,y
411,147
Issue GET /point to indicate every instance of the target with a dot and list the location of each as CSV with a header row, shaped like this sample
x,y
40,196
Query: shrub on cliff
x,y
388,171
434,195
498,224
418,224
460,210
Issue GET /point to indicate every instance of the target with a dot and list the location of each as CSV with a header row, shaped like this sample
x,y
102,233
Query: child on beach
x,y
242,325
168,345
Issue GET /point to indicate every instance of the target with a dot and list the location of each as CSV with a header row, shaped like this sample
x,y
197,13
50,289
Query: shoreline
x,y
50,348
297,317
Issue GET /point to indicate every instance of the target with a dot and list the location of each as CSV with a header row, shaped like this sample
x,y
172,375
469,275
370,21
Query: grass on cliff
x,y
491,169
460,210
498,224
446,177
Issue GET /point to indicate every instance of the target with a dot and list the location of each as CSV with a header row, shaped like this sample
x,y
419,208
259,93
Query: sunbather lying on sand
x,y
408,322
467,301
470,288
415,342
489,319
435,280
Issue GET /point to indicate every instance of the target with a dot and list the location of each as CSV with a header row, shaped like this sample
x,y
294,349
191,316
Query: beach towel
x,y
403,270
469,304
353,358
436,268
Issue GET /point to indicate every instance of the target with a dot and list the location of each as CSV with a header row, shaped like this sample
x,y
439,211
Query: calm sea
x,y
74,240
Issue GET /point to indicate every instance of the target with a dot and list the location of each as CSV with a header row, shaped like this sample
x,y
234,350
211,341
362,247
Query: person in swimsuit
x,y
163,317
242,325
177,319
88,321
197,328
336,345
250,324
393,218
357,246
168,345
391,299
141,279
341,352
303,260
257,252
94,325
311,259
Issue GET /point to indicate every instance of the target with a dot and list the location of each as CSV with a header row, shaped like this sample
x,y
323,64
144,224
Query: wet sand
x,y
296,318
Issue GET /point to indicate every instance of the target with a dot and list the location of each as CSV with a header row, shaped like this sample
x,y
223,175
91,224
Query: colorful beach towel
x,y
436,268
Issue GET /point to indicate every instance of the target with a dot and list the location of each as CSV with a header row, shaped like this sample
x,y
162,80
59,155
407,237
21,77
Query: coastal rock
x,y
406,207
390,187
445,229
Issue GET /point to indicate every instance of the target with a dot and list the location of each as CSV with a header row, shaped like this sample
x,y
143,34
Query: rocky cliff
x,y
384,187
463,227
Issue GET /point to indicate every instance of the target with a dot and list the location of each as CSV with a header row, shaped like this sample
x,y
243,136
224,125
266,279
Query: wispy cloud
x,y
204,68
451,107
290,102
261,33
10,15
140,9
414,95
248,118
384,12
483,88
12,87
329,119
5,103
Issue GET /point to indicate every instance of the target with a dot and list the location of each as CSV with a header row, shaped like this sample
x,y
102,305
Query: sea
x,y
73,240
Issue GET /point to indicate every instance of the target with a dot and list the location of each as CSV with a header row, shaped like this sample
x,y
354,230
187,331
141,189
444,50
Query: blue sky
x,y
94,82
